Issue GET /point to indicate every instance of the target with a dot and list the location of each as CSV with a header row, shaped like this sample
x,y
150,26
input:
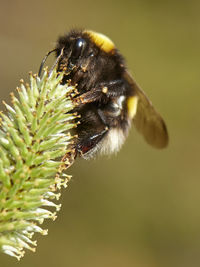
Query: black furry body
x,y
92,71
109,99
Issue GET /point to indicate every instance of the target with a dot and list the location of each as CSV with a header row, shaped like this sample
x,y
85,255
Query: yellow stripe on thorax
x,y
101,41
132,106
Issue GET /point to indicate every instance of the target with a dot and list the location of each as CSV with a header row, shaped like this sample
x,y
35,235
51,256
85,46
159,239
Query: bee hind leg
x,y
88,145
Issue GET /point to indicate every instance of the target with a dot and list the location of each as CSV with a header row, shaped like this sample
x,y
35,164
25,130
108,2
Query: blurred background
x,y
141,207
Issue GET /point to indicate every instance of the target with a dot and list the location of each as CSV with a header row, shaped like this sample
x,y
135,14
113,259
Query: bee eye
x,y
79,46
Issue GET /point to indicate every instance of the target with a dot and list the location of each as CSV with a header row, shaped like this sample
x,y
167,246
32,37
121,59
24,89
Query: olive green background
x,y
140,208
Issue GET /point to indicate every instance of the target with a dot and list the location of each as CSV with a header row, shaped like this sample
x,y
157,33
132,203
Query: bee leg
x,y
107,89
85,145
68,159
113,88
88,97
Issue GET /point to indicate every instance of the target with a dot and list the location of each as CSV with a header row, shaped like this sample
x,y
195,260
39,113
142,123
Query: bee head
x,y
81,47
74,47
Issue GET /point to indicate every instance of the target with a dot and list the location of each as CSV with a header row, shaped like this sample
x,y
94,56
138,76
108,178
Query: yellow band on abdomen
x,y
132,106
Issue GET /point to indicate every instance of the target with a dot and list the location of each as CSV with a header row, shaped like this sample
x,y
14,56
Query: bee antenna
x,y
57,60
44,60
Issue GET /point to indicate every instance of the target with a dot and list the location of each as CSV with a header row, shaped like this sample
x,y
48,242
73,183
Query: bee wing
x,y
147,120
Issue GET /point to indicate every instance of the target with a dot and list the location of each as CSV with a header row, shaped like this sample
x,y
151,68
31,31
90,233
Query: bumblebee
x,y
109,99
